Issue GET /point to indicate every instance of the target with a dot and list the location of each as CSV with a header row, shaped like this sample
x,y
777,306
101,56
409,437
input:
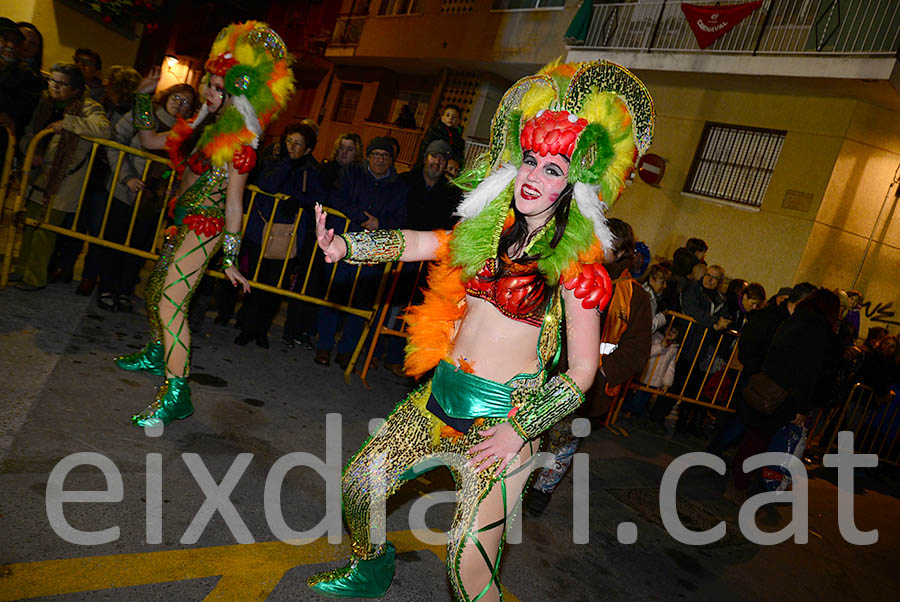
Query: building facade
x,y
781,139
820,78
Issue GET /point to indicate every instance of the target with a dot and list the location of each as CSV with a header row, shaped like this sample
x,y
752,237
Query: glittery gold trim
x,y
543,407
231,248
375,246
604,76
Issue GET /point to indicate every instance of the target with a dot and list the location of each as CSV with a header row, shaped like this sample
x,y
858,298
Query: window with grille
x,y
400,7
348,98
734,163
526,4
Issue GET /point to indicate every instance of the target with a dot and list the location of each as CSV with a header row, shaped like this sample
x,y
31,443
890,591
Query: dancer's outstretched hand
x,y
149,83
235,277
502,443
332,246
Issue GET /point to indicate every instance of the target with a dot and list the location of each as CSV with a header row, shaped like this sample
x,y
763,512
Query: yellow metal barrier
x,y
6,214
18,207
8,158
875,425
380,327
367,311
707,387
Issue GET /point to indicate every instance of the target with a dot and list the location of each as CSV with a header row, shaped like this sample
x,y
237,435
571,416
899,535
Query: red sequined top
x,y
518,294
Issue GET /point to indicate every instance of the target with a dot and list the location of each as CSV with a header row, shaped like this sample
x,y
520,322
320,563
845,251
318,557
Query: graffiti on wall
x,y
880,312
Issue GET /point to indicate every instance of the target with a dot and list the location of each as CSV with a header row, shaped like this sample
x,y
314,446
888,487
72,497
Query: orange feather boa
x,y
430,324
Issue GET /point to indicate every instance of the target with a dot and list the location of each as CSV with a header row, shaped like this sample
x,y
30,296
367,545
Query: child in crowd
x,y
659,373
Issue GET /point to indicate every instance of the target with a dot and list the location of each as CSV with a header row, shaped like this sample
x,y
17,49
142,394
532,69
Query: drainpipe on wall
x,y
894,184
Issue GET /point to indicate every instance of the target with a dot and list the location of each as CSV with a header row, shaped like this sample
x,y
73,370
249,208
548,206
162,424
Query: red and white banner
x,y
709,23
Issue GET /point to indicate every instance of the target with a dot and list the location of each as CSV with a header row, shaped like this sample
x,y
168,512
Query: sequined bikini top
x,y
518,295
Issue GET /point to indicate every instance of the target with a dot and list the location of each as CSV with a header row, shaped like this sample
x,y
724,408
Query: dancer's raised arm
x,y
144,117
374,246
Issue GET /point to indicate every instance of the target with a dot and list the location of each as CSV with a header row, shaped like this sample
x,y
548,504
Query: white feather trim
x,y
490,188
201,115
250,119
590,206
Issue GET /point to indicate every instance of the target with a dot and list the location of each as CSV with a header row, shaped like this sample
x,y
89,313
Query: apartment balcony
x,y
844,39
467,35
345,36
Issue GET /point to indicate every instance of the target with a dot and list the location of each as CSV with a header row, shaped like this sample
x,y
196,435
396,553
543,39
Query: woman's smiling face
x,y
215,93
539,182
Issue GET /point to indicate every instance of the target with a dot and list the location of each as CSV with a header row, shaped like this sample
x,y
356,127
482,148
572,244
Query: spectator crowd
x,y
674,339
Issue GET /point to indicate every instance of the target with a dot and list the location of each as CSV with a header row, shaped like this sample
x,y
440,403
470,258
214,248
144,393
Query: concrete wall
x,y
765,244
860,204
65,29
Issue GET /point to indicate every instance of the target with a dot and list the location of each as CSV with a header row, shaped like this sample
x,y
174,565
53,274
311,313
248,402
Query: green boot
x,y
359,579
150,358
173,402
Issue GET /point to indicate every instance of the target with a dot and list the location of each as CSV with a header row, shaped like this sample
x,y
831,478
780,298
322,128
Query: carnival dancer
x,y
248,81
524,263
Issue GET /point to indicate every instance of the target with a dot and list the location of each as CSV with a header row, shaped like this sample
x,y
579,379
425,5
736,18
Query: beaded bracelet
x,y
376,246
231,247
144,115
547,405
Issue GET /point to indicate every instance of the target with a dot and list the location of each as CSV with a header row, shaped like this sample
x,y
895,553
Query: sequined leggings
x,y
167,296
409,437
563,445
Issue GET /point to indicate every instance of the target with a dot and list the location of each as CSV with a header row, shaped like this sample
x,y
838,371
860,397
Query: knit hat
x,y
439,147
382,143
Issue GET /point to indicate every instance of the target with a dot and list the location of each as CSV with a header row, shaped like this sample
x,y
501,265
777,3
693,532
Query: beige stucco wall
x,y
65,29
765,244
860,202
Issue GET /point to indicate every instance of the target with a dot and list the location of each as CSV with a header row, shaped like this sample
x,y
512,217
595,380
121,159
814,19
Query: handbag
x,y
764,394
281,236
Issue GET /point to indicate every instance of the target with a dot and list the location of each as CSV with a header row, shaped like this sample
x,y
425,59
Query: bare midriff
x,y
495,346
187,180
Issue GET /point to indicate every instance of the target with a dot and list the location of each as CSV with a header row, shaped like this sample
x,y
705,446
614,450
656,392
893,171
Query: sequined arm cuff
x,y
231,247
144,115
536,410
376,246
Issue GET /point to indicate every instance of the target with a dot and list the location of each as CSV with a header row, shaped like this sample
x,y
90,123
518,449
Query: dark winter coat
x,y
757,335
802,358
429,208
297,178
439,131
360,192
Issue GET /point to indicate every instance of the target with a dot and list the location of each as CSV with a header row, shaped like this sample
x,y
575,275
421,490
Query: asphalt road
x,y
63,396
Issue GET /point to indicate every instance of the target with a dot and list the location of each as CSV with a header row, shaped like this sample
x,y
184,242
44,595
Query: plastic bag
x,y
790,439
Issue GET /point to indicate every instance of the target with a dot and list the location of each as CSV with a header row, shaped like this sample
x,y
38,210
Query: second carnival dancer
x,y
523,265
248,81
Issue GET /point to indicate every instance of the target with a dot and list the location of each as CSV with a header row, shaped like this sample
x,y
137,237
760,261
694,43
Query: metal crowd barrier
x,y
367,311
875,426
8,158
711,378
381,328
6,213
